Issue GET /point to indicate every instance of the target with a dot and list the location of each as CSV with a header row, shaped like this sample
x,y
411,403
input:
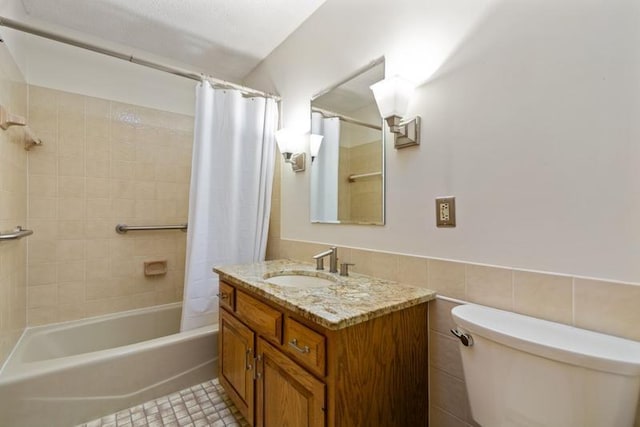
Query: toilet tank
x,y
526,372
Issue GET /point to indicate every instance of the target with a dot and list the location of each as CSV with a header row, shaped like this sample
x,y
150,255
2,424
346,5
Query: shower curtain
x,y
230,196
324,170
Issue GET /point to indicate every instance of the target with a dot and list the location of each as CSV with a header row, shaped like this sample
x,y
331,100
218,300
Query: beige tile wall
x,y
602,306
13,207
366,193
273,241
344,189
361,200
103,163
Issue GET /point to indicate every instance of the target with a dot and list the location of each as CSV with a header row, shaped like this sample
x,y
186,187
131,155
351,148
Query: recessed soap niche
x,y
155,268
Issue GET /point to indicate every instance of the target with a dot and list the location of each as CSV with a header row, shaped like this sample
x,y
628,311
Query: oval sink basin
x,y
299,281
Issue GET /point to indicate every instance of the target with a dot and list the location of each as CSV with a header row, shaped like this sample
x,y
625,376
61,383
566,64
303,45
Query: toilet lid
x,y
552,340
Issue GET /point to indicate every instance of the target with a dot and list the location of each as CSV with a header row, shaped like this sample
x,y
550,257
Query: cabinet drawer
x,y
305,345
227,296
263,319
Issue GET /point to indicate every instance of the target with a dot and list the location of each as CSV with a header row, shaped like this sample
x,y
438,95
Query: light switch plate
x,y
446,211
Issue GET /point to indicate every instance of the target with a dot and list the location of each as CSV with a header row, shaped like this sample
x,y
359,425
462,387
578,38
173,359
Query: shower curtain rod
x,y
25,28
330,114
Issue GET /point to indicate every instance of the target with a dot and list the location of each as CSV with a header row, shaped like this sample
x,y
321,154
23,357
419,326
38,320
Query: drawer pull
x,y
222,295
294,343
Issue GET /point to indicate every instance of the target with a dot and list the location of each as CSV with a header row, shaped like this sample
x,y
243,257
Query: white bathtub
x,y
68,373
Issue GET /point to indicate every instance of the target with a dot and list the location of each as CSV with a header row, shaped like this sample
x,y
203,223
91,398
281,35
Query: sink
x,y
297,280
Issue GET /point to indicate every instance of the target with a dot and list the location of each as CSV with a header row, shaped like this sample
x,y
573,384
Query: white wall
x,y
531,118
58,66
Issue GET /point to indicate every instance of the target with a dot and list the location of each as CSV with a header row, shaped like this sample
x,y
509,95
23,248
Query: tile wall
x,y
608,307
366,193
103,163
13,207
361,200
344,187
273,241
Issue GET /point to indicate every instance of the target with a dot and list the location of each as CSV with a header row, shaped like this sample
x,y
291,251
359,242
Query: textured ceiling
x,y
353,95
225,38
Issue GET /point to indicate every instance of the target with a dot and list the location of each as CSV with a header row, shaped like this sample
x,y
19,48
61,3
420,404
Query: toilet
x,y
526,372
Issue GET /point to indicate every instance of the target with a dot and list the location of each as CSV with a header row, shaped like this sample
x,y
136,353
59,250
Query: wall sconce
x,y
392,96
286,139
314,145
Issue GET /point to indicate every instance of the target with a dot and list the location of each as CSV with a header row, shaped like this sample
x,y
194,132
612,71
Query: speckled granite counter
x,y
350,300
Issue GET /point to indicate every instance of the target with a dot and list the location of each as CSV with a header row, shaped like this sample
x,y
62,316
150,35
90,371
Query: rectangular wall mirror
x,y
347,175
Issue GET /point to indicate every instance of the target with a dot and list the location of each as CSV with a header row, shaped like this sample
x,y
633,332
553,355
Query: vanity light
x,y
314,145
286,139
392,96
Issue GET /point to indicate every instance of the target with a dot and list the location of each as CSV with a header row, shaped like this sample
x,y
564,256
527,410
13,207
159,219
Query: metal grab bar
x,y
123,228
18,233
363,175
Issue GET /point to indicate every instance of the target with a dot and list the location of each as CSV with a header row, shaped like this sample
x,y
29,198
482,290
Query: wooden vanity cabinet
x,y
287,395
237,343
282,370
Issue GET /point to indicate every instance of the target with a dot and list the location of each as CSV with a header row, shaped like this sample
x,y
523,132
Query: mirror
x,y
347,175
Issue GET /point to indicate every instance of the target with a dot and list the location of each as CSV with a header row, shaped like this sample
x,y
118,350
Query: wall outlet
x,y
446,211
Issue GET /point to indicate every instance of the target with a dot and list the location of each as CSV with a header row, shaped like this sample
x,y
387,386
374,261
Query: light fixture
x,y
314,145
392,96
286,139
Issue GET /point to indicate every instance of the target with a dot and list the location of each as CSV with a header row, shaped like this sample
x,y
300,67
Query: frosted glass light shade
x,y
314,144
392,96
285,138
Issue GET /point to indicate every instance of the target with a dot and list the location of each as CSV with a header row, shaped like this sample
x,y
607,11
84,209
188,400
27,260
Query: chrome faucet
x,y
332,253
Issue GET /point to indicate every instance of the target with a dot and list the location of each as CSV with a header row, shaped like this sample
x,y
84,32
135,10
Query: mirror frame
x,y
358,72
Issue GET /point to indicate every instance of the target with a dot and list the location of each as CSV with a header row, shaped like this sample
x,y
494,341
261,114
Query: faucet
x,y
332,253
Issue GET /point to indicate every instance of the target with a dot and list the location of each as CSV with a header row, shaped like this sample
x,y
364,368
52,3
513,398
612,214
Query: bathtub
x,y
73,372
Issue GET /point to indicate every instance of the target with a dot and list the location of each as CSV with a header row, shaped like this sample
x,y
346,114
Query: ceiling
x,y
353,95
223,38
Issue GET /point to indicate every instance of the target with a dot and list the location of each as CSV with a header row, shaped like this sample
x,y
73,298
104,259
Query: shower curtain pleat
x,y
230,196
324,170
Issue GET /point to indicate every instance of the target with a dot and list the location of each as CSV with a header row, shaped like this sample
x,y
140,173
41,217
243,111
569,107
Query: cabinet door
x,y
236,363
287,395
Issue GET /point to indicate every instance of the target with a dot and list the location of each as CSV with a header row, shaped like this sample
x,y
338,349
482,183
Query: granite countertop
x,y
350,300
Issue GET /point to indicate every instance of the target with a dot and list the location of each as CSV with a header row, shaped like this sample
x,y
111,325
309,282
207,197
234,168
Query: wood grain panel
x,y
236,367
287,395
265,320
227,296
375,373
305,345
378,371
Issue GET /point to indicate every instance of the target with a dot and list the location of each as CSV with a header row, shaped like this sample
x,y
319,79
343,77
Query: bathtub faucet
x,y
332,253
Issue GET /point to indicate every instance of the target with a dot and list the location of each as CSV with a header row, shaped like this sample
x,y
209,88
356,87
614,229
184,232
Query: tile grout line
x,y
201,405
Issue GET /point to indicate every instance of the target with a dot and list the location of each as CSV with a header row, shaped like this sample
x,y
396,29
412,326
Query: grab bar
x,y
18,233
123,228
352,178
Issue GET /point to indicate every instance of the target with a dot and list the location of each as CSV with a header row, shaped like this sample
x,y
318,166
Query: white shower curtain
x,y
324,170
230,197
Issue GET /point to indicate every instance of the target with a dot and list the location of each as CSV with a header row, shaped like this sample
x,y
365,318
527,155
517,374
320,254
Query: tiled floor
x,y
202,405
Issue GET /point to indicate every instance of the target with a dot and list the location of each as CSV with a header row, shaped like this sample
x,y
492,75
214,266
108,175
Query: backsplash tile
x,y
447,278
545,296
413,270
607,307
490,286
